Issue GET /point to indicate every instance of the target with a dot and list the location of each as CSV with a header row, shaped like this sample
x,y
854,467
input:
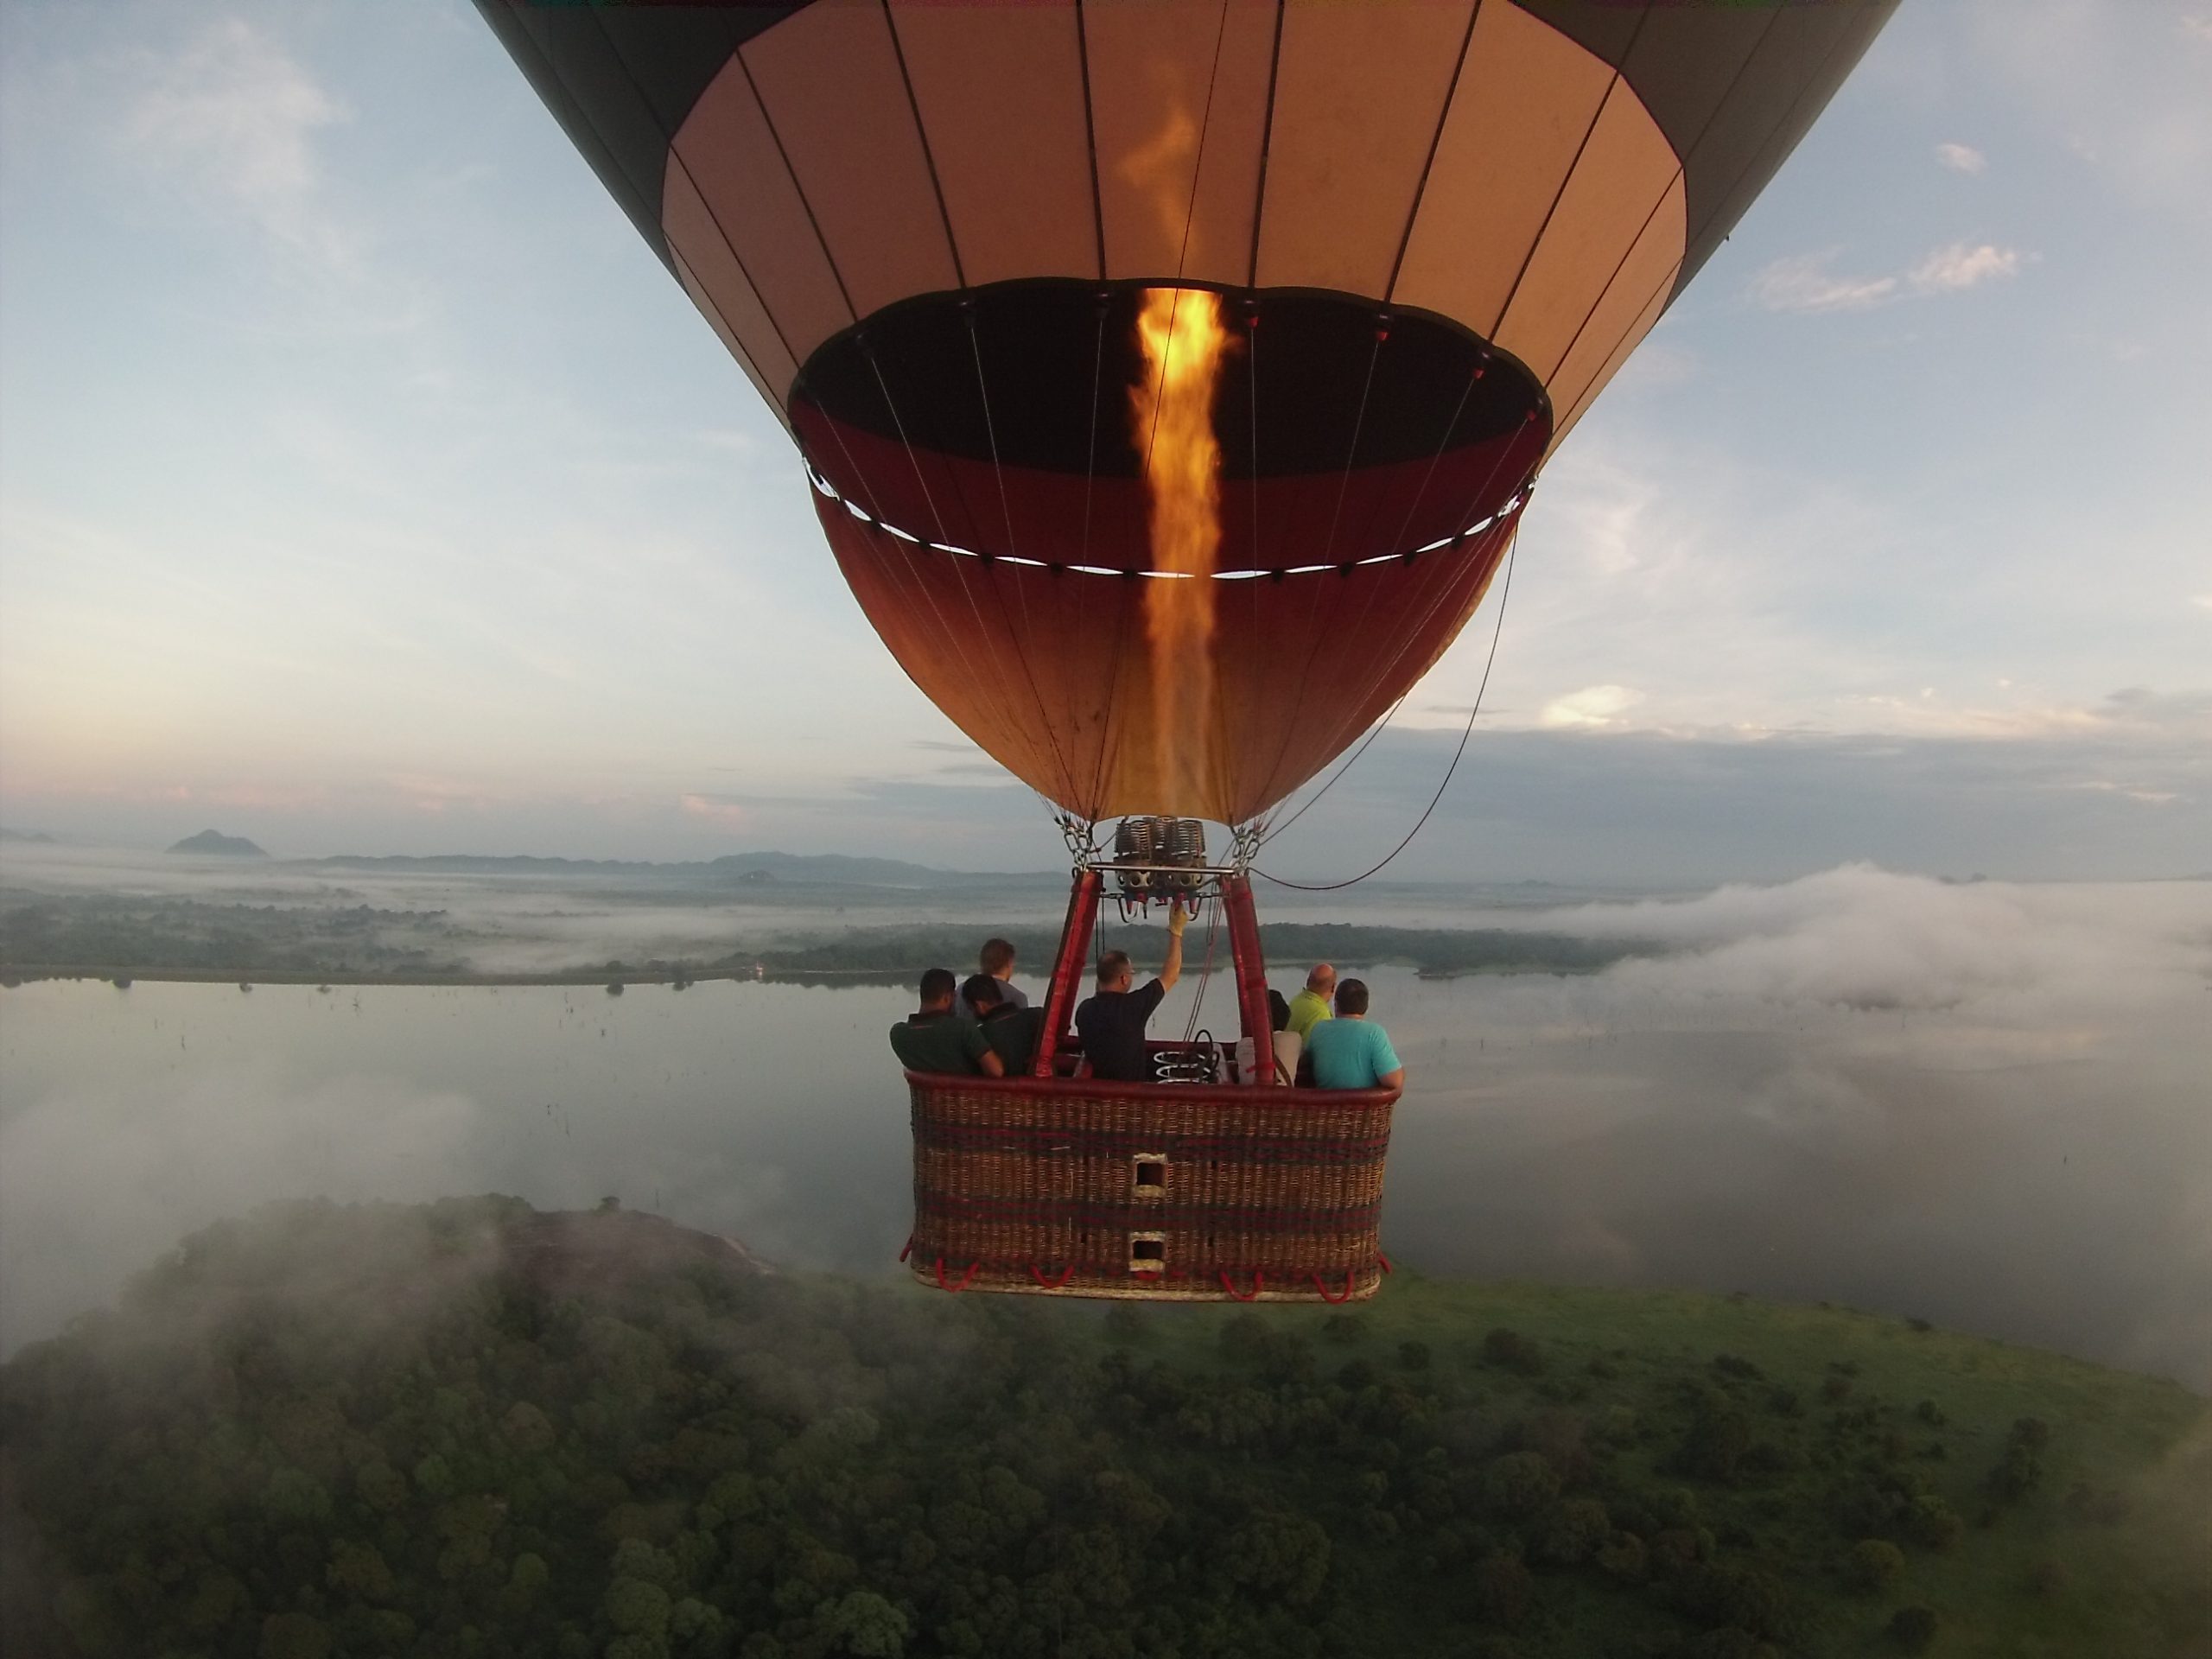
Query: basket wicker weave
x,y
1192,1192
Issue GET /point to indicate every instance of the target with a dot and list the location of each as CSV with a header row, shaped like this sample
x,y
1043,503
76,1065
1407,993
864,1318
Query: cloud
x,y
2197,25
1949,270
1803,283
236,117
2127,791
1962,158
716,810
2203,601
1865,937
1593,706
2183,713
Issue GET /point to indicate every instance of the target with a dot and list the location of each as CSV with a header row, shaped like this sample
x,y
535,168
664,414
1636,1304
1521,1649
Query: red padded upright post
x,y
1068,968
1251,975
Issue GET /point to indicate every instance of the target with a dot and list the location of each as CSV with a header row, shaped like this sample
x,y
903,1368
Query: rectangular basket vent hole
x,y
1151,1172
1148,1253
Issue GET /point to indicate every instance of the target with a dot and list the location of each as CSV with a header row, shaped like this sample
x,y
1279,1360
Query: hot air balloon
x,y
1170,377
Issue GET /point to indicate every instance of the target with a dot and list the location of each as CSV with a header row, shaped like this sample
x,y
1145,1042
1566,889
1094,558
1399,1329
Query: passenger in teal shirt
x,y
1352,1051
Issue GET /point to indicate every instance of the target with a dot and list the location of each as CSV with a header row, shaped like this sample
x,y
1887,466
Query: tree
x,y
294,1636
635,1607
294,1494
1510,1350
380,1486
864,1625
1932,1524
359,1571
1279,1554
1503,1589
1622,1555
1872,1565
1913,1628
526,1428
1719,1436
1720,1596
1517,1484
1573,1531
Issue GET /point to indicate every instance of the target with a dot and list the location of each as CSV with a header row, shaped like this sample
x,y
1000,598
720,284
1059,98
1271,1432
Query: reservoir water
x,y
2007,1162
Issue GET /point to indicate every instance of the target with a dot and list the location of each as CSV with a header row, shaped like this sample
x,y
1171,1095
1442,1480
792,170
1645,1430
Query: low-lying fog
x,y
1985,1104
527,920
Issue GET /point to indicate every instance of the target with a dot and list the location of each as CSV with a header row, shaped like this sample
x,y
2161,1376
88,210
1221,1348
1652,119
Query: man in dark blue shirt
x,y
1111,1023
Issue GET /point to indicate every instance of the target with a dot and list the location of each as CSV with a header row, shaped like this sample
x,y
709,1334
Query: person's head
x,y
1351,998
997,959
1115,972
1278,1010
936,989
982,993
1322,980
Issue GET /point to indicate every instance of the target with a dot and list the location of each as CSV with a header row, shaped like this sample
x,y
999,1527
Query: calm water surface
x,y
2039,1181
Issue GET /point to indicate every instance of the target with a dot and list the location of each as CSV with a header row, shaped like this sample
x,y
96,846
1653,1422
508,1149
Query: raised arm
x,y
1172,970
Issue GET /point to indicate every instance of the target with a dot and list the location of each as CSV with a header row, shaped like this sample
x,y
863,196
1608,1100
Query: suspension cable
x,y
1205,972
1504,594
1374,732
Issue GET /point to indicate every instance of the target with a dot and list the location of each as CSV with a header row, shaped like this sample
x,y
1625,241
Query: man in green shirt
x,y
934,1038
1311,1005
1011,1030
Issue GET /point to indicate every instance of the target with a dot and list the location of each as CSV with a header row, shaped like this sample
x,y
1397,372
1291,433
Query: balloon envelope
x,y
924,231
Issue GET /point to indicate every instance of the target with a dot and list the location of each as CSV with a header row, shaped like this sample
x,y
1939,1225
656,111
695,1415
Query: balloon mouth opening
x,y
1035,374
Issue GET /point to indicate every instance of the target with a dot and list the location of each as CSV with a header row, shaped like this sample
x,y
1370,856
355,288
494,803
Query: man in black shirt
x,y
1011,1030
1111,1023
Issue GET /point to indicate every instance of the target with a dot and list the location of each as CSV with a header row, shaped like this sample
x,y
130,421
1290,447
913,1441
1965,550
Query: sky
x,y
367,485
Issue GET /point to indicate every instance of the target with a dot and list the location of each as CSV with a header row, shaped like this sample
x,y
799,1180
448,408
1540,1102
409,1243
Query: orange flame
x,y
1173,424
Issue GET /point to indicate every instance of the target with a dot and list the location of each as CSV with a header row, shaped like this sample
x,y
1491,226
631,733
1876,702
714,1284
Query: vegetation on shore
x,y
470,1428
151,938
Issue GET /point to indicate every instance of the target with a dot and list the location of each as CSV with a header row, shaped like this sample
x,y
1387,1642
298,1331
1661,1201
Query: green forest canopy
x,y
471,1428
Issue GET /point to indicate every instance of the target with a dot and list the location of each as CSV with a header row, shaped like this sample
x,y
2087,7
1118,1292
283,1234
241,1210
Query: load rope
x,y
1504,594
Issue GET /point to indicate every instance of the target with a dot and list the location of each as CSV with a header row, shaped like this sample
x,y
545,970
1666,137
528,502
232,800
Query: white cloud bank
x,y
1863,937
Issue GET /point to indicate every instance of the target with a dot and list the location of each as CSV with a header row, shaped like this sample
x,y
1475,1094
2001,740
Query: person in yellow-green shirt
x,y
1311,1005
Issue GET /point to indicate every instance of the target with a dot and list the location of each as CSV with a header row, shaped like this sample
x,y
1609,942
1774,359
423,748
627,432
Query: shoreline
x,y
12,976
32,973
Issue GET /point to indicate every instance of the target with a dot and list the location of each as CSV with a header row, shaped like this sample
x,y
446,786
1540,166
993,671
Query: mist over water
x,y
1985,1105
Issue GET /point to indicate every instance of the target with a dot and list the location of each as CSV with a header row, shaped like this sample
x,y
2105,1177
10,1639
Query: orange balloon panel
x,y
1049,672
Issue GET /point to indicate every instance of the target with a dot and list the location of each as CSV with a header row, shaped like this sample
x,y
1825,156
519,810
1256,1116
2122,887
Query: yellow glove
x,y
1177,919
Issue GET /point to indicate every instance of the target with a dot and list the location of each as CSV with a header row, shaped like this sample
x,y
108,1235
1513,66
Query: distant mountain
x,y
40,836
749,869
223,846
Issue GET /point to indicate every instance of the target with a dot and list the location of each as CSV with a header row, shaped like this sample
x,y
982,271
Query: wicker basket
x,y
1181,1191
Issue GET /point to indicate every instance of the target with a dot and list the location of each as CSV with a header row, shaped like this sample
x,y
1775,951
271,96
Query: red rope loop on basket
x,y
1038,1274
1324,1289
1259,1280
1383,1262
964,1278
907,1248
